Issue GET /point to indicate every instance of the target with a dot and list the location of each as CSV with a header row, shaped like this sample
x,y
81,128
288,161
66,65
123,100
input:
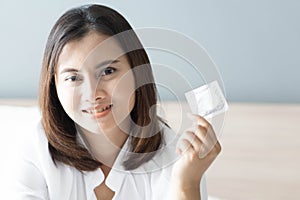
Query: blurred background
x,y
255,46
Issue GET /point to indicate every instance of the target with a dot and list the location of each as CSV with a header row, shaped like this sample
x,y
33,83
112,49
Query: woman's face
x,y
95,84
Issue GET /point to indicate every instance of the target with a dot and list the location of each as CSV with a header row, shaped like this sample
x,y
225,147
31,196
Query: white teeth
x,y
100,110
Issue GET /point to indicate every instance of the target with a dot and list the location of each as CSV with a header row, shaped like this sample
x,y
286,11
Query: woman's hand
x,y
198,149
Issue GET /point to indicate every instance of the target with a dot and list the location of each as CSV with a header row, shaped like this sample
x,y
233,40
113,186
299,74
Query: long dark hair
x,y
59,128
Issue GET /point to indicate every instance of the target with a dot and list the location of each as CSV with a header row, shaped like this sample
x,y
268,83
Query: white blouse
x,y
38,177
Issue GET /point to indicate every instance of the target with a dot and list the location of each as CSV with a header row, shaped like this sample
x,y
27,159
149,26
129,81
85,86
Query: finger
x,y
212,153
206,134
203,129
201,132
209,146
183,146
208,139
194,140
201,142
179,151
204,148
199,120
211,136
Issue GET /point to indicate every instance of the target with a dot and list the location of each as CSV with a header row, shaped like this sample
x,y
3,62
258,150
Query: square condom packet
x,y
207,100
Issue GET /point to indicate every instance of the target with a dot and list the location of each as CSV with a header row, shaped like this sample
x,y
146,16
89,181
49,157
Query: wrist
x,y
186,183
185,191
186,186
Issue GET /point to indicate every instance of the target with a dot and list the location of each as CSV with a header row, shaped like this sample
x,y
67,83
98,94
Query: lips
x,y
97,109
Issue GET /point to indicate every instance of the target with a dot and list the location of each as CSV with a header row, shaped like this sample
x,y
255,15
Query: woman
x,y
100,136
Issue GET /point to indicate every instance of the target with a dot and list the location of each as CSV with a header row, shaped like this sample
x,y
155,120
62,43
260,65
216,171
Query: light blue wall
x,y
255,44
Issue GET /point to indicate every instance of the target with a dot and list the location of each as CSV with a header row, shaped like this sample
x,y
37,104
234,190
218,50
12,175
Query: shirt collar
x,y
115,177
163,158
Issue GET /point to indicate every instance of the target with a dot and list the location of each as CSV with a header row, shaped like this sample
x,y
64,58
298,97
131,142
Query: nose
x,y
92,91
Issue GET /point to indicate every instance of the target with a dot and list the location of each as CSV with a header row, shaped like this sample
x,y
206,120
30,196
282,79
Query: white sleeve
x,y
30,184
203,188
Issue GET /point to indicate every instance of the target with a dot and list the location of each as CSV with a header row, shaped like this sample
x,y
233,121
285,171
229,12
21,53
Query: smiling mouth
x,y
99,110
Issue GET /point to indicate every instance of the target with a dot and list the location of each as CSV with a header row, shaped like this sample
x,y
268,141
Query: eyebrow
x,y
104,63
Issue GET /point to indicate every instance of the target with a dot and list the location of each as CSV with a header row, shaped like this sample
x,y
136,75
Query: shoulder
x,y
25,171
36,171
34,156
34,149
34,145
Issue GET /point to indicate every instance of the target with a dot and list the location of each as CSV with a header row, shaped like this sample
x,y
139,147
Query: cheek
x,y
125,92
68,100
123,98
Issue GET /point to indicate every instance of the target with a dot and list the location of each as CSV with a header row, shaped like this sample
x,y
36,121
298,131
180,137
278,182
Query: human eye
x,y
108,71
72,78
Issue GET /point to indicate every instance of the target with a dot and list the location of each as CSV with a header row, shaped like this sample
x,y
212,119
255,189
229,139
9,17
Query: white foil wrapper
x,y
207,100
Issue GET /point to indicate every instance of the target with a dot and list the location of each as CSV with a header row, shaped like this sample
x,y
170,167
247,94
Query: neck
x,y
105,147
